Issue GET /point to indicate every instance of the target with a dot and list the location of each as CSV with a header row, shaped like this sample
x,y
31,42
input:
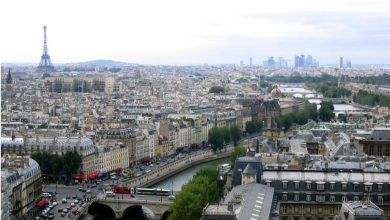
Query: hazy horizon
x,y
196,32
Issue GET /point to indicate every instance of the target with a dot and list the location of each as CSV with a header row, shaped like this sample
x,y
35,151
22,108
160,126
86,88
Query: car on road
x,y
171,197
60,209
64,200
110,194
88,191
63,214
76,201
74,196
93,185
65,211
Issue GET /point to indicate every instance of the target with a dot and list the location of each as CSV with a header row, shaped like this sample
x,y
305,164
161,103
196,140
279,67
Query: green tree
x,y
202,189
216,138
250,127
226,135
217,89
235,133
239,151
325,112
72,162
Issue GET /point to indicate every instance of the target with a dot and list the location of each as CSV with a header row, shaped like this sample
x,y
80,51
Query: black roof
x,y
241,164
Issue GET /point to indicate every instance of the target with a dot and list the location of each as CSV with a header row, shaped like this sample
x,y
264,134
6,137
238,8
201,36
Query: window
x,y
268,183
332,211
367,187
380,200
380,185
308,197
332,198
344,186
344,198
284,209
296,209
371,150
320,186
379,150
356,198
308,210
285,184
296,197
331,186
355,187
320,198
387,151
319,210
296,184
308,185
284,197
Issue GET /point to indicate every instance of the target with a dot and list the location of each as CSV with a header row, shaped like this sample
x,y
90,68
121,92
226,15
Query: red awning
x,y
78,177
41,204
93,175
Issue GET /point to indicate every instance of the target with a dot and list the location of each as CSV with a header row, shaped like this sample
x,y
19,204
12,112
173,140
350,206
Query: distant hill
x,y
107,63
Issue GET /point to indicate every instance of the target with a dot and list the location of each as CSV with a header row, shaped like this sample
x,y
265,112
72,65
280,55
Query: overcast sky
x,y
196,31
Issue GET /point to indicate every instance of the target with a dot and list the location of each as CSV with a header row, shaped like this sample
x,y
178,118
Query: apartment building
x,y
21,185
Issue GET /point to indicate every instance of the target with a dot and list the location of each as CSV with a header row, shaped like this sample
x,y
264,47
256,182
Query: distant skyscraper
x,y
45,65
271,62
296,61
349,64
250,61
341,62
302,61
309,60
241,63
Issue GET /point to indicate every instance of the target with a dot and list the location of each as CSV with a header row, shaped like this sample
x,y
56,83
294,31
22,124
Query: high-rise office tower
x,y
271,62
309,60
250,61
302,61
341,62
349,64
296,61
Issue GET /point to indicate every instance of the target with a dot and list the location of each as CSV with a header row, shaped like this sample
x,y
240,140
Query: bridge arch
x,y
134,211
166,214
101,210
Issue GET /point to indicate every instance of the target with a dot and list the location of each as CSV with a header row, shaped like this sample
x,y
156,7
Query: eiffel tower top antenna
x,y
45,65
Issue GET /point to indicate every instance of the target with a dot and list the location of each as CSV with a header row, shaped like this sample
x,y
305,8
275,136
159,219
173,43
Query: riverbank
x,y
178,166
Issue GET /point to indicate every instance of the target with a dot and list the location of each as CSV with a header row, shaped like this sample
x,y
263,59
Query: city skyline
x,y
218,32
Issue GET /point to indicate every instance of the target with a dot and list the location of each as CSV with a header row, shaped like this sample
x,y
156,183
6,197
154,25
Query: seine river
x,y
177,181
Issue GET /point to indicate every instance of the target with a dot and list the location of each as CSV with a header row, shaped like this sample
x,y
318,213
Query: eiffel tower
x,y
45,65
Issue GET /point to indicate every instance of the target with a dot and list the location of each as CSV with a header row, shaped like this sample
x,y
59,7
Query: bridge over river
x,y
155,207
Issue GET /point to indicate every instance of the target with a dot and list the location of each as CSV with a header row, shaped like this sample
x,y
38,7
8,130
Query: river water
x,y
177,181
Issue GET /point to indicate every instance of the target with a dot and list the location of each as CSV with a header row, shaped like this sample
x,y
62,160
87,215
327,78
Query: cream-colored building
x,y
111,155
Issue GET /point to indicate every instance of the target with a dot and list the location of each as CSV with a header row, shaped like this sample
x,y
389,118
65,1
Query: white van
x,y
110,194
46,195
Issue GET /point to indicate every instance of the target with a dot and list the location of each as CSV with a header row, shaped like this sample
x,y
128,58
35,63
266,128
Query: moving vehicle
x,y
223,168
110,194
118,189
153,191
